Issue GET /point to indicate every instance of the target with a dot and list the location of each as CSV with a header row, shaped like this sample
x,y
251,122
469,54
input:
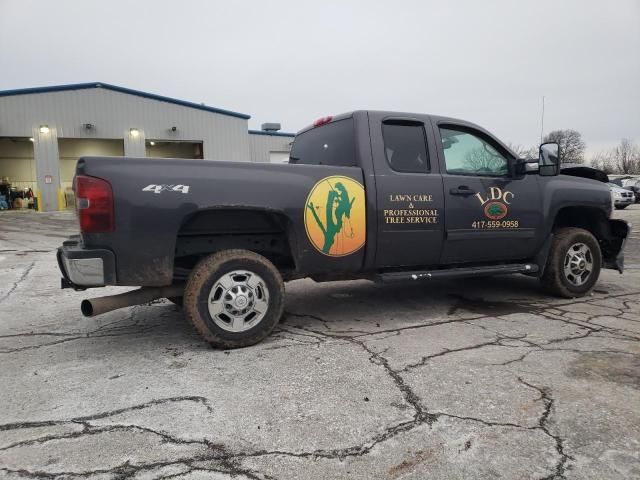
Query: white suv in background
x,y
621,197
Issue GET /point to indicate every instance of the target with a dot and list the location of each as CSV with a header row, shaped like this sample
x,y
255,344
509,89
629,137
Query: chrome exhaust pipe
x,y
97,306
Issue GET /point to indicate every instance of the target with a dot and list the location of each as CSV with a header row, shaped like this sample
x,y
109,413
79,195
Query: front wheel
x,y
574,263
621,207
234,298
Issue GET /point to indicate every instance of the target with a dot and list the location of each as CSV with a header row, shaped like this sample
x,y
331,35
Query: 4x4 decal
x,y
166,188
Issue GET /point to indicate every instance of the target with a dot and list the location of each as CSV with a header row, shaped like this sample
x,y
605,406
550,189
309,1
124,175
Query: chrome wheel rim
x,y
238,301
578,264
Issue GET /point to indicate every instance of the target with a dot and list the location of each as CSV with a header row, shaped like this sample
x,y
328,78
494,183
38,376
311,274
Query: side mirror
x,y
549,159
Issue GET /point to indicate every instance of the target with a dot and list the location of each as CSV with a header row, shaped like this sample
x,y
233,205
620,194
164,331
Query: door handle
x,y
462,190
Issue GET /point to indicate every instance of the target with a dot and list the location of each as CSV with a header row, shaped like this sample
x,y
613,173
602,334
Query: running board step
x,y
458,272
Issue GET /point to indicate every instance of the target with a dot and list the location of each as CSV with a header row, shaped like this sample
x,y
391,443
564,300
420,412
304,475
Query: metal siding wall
x,y
114,114
261,145
45,154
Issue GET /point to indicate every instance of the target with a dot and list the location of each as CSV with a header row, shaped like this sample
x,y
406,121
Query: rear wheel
x,y
234,298
574,263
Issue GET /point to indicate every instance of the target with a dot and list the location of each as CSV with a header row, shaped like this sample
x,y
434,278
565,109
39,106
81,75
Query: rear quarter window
x,y
331,144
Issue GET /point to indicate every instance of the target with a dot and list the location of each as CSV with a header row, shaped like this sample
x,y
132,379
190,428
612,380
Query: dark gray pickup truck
x,y
378,195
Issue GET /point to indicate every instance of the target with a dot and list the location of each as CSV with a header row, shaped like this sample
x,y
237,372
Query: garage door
x,y
17,167
173,149
279,157
71,149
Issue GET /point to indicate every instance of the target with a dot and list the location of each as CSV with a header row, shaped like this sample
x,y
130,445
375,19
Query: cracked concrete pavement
x,y
484,378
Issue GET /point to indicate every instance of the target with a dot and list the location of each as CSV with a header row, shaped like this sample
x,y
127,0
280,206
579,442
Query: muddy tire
x,y
574,263
234,298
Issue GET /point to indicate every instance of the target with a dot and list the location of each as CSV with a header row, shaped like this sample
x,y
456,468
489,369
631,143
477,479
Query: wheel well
x,y
595,221
591,219
265,232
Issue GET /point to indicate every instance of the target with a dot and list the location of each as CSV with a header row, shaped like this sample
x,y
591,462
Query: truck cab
x,y
444,192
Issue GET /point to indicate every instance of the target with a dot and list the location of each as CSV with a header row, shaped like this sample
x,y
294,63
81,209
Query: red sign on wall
x,y
48,179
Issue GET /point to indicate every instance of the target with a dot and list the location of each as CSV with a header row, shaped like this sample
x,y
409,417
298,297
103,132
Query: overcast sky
x,y
486,61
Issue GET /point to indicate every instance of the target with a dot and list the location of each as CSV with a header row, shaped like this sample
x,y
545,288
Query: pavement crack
x,y
38,334
110,413
223,461
220,464
423,361
70,338
338,333
20,279
419,326
487,423
543,424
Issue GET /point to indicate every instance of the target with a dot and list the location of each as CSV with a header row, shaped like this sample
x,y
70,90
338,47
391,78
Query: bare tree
x,y
571,145
626,157
523,152
484,159
603,161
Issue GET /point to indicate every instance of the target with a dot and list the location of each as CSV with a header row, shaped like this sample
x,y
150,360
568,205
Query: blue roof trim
x,y
271,134
115,88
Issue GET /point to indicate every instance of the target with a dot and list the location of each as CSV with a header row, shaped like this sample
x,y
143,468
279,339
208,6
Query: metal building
x,y
269,146
43,132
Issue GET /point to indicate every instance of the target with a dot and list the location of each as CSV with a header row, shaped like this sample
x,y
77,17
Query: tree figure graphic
x,y
495,210
337,208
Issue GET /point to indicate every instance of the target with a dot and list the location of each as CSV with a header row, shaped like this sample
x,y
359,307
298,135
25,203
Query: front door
x,y
490,215
409,197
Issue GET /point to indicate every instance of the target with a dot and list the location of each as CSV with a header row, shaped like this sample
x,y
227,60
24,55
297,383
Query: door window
x,y
405,146
467,153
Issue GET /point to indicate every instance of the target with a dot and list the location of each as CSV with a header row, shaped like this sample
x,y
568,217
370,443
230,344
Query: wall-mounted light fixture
x,y
88,126
173,129
152,143
31,139
134,132
44,128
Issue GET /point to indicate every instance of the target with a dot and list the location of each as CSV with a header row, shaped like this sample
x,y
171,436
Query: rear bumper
x,y
85,267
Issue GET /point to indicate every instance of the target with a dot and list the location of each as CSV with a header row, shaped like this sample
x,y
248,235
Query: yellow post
x,y
61,202
39,199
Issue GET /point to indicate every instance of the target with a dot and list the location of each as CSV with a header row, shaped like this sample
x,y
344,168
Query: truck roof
x,y
406,115
391,114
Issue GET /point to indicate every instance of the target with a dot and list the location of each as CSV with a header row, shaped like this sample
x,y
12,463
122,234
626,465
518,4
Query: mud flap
x,y
541,257
613,245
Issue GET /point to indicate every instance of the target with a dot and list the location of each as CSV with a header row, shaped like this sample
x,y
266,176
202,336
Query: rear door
x,y
490,215
409,193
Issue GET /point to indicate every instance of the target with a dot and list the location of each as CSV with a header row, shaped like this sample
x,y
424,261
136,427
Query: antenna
x,y
542,122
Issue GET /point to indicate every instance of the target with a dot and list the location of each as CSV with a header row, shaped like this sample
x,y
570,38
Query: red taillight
x,y
94,202
322,121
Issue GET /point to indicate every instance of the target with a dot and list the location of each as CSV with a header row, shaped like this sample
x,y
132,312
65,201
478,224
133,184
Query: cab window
x,y
467,153
405,146
331,144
